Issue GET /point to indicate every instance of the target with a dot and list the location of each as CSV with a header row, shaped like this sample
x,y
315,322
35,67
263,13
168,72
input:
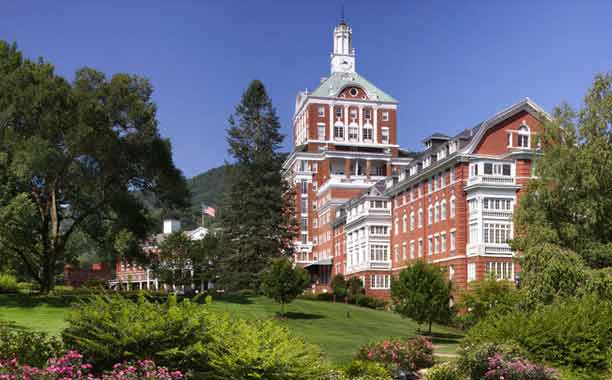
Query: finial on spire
x,y
342,21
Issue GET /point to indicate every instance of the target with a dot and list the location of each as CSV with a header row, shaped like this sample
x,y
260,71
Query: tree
x,y
74,157
570,200
339,286
256,212
354,287
172,264
486,296
282,282
422,293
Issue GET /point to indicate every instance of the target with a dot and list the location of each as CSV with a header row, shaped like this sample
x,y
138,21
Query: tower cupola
x,y
343,54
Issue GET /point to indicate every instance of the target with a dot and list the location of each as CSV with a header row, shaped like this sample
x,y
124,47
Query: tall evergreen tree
x,y
256,212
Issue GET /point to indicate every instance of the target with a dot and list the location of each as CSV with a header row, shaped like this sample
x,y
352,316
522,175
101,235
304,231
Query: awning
x,y
324,262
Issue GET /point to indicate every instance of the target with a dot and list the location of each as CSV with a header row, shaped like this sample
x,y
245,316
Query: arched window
x,y
523,136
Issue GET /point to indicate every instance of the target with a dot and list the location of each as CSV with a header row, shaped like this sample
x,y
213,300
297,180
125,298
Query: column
x,y
368,166
346,123
360,123
347,167
375,126
331,122
388,168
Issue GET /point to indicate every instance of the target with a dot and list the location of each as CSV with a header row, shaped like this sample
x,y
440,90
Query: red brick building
x,y
368,208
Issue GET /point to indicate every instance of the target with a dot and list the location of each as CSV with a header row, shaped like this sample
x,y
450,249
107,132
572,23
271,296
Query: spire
x,y
342,14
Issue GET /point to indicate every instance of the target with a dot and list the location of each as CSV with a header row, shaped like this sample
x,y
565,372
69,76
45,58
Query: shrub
x,y
29,347
339,285
112,329
574,333
244,350
71,367
362,369
444,371
95,283
501,368
8,283
409,355
354,286
325,297
485,297
371,302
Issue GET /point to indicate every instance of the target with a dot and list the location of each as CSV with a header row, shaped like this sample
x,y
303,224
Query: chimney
x,y
171,226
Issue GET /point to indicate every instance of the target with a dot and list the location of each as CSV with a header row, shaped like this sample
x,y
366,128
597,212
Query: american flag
x,y
207,210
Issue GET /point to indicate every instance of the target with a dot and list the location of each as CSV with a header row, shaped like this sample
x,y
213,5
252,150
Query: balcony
x,y
484,249
369,265
494,180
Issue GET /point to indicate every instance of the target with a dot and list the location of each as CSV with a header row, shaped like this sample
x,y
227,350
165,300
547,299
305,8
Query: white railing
x,y
488,213
484,249
369,265
491,180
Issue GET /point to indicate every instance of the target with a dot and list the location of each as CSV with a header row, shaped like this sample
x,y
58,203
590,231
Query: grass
x,y
337,328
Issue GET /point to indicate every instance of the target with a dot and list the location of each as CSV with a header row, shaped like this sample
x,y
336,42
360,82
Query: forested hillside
x,y
207,188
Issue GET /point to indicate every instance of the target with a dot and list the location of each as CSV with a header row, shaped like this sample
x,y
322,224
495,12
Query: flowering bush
x,y
410,355
444,371
71,367
501,368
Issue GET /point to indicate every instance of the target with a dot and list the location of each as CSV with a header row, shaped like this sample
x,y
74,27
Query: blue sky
x,y
451,64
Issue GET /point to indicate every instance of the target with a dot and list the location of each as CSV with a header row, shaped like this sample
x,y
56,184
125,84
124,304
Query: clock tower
x,y
343,55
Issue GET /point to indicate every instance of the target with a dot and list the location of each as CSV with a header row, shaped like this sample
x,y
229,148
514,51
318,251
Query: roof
x,y
436,136
322,262
332,86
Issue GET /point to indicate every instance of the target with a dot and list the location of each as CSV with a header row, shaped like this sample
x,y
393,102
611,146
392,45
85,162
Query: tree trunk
x,y
430,327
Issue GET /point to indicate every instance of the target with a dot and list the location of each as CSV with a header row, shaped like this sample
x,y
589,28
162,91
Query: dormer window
x,y
523,136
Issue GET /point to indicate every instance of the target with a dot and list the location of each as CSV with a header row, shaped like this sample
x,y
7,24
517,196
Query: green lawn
x,y
337,328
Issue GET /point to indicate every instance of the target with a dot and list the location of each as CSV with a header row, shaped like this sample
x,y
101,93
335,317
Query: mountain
x,y
207,188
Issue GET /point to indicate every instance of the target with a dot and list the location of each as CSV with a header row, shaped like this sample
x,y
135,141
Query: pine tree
x,y
255,215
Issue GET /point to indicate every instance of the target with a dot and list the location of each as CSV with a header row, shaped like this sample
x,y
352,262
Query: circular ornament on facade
x,y
354,91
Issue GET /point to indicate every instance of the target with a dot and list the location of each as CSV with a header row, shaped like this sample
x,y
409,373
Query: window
x,y
473,233
404,223
379,230
509,143
497,169
379,253
385,115
396,225
430,214
384,138
443,241
452,175
304,238
304,186
353,114
443,210
452,207
367,114
420,252
429,246
443,179
436,244
321,131
379,281
396,252
471,271
404,251
304,224
411,220
367,133
453,240
429,183
353,91
321,111
500,270
338,112
304,205
523,136
412,249
436,212
338,131
420,217
474,170
497,204
353,133
451,272
435,182
496,233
